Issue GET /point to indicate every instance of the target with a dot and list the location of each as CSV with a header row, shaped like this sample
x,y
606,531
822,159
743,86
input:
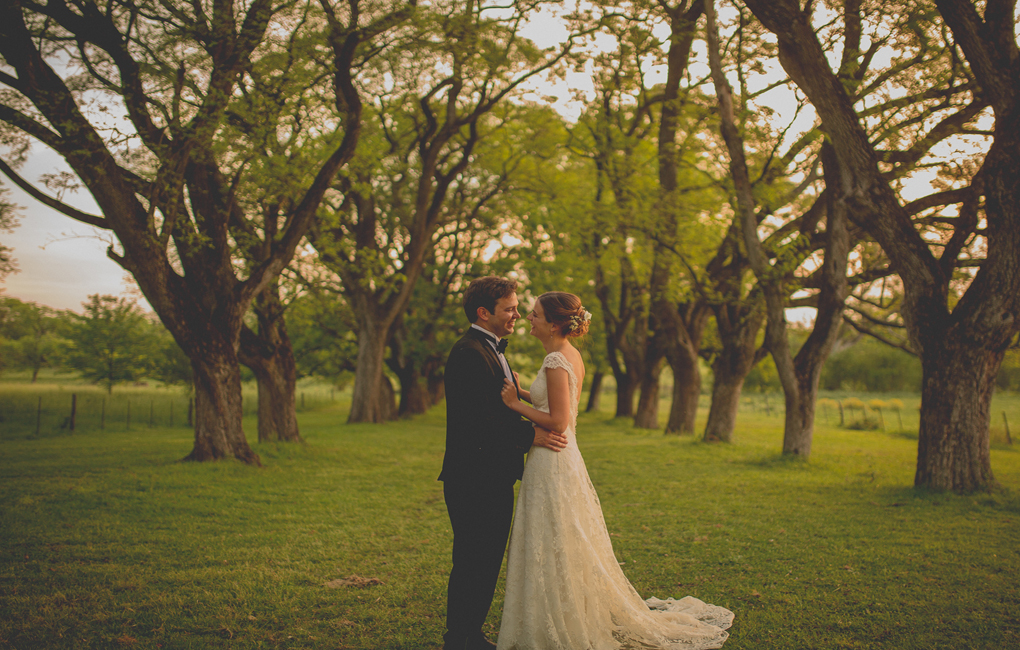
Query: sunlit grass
x,y
109,541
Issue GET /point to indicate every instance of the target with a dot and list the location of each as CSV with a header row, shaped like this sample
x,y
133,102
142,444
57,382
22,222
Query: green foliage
x,y
111,342
323,333
110,542
870,365
1009,372
169,364
8,220
31,335
763,378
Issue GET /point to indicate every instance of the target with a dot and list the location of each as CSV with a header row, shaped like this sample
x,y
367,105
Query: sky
x,y
61,261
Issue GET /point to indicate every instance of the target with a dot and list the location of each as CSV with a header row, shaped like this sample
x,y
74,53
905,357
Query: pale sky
x,y
62,261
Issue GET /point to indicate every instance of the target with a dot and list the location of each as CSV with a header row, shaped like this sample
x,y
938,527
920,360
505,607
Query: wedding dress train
x,y
565,589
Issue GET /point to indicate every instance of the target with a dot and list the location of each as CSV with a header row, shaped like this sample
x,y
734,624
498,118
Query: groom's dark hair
x,y
485,292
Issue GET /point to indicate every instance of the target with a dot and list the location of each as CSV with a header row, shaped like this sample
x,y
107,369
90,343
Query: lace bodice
x,y
540,387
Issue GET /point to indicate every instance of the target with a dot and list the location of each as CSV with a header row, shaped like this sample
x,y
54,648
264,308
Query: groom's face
x,y
501,322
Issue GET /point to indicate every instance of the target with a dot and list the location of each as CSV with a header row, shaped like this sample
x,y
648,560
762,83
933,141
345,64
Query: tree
x,y
268,352
31,335
799,375
167,180
112,342
641,140
676,325
961,345
323,334
427,119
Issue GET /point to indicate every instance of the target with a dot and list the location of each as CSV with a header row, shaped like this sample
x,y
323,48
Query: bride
x,y
564,588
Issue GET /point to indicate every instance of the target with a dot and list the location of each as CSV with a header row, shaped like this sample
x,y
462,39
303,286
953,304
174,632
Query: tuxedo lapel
x,y
487,349
513,377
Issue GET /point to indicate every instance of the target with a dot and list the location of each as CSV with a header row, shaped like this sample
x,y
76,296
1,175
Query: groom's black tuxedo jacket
x,y
485,440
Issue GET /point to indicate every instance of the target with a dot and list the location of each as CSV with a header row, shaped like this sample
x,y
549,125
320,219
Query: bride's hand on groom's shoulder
x,y
509,393
549,439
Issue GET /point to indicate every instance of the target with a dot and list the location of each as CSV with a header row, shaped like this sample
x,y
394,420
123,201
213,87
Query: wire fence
x,y
26,410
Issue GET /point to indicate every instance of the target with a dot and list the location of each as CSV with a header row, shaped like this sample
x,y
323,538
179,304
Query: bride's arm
x,y
558,417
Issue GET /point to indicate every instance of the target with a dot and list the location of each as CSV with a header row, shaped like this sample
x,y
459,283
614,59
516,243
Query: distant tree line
x,y
111,342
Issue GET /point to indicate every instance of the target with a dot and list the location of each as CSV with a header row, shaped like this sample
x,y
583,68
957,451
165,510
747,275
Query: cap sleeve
x,y
559,360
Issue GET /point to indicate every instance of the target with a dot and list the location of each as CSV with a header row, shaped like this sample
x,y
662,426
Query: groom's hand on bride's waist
x,y
549,439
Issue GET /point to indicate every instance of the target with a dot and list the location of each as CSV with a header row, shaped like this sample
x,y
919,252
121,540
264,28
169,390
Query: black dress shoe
x,y
456,644
471,643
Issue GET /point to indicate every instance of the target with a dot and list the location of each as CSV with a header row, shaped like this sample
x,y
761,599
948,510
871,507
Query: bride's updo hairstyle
x,y
565,310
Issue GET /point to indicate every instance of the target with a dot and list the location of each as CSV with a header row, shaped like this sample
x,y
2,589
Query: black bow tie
x,y
501,346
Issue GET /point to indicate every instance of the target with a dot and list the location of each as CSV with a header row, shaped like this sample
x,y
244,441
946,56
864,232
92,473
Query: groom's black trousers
x,y
480,515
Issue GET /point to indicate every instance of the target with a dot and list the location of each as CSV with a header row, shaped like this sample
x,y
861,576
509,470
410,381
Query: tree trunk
x,y
277,381
218,432
415,373
722,415
956,395
647,415
626,386
686,391
270,356
436,386
595,394
370,402
414,393
799,427
687,328
738,327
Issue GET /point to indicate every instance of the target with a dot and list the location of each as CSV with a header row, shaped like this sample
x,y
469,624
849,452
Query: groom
x,y
485,447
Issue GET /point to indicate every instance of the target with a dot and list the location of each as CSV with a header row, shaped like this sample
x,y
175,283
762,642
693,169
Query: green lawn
x,y
110,542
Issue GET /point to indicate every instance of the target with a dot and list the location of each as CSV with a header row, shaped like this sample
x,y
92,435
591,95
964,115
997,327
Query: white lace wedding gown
x,y
564,588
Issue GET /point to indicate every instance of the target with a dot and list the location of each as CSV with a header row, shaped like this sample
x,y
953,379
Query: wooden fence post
x,y
74,409
129,415
38,416
1009,441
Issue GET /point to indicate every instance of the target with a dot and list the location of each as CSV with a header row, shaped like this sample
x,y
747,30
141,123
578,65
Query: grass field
x,y
110,542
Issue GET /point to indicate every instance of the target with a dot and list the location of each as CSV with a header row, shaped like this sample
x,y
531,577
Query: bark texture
x,y
270,355
595,393
683,357
738,326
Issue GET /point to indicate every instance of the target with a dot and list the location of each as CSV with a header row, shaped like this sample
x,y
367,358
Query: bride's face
x,y
540,327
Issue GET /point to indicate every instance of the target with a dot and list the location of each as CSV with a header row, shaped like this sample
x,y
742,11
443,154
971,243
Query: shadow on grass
x,y
776,461
998,499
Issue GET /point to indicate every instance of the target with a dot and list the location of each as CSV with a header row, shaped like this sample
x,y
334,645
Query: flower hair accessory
x,y
577,319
